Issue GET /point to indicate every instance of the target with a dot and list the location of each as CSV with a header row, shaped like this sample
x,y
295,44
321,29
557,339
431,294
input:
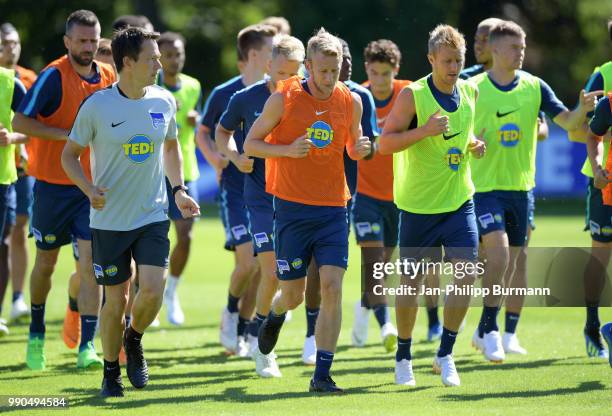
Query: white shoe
x,y
154,324
253,345
309,352
4,331
511,344
288,316
228,332
446,367
388,334
242,348
359,335
493,350
265,365
19,310
477,342
403,373
173,308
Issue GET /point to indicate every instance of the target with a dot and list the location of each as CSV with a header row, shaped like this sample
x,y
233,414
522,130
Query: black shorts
x,y
113,251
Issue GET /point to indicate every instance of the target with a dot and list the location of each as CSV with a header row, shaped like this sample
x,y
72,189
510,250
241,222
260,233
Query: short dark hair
x,y
81,17
253,37
382,50
6,28
505,28
128,42
170,37
131,20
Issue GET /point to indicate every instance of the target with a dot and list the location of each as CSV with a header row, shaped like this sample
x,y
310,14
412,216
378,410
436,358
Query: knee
x,y
331,289
293,299
246,266
115,305
45,262
150,296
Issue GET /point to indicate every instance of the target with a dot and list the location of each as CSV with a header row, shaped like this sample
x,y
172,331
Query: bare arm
x,y
358,146
396,136
223,138
271,115
542,129
74,170
573,120
32,127
209,149
173,166
7,138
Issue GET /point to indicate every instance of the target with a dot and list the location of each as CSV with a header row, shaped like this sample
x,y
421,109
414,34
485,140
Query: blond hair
x,y
280,23
489,23
288,46
324,42
445,35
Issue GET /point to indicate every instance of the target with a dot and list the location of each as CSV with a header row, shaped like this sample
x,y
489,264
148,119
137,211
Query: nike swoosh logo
x,y
451,136
257,114
117,124
91,321
500,115
320,112
345,258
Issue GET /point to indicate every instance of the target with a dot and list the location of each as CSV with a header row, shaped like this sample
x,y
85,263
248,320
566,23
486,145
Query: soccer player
x,y
309,123
104,52
22,189
132,131
132,20
60,210
374,214
188,95
598,127
242,111
254,44
598,222
431,131
507,112
518,272
12,92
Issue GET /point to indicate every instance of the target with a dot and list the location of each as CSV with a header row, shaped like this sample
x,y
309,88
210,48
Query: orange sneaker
x,y
71,332
122,357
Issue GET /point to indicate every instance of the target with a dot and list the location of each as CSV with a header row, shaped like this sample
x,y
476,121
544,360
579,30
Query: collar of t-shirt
x,y
505,88
449,102
305,86
171,88
95,78
381,103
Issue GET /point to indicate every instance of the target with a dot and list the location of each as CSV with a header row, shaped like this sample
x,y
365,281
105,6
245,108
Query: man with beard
x,y
61,211
188,94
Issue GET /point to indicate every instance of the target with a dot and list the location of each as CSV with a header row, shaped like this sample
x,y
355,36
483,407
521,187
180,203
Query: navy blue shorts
x,y
24,187
11,206
4,206
173,212
598,215
531,207
421,235
234,218
303,231
261,224
375,220
59,213
503,211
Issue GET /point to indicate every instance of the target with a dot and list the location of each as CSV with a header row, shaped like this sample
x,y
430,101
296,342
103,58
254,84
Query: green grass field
x,y
190,375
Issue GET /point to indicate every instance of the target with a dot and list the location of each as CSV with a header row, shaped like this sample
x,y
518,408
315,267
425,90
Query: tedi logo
x,y
509,135
139,148
320,133
454,156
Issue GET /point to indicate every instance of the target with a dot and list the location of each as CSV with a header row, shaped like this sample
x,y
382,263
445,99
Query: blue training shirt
x,y
215,106
45,96
368,126
243,109
19,93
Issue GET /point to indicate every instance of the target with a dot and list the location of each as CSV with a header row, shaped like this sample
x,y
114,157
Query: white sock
x,y
171,284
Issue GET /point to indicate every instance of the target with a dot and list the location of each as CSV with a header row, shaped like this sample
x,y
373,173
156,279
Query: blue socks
x,y
403,349
311,321
323,364
88,330
488,320
592,321
37,324
381,314
447,342
432,316
242,324
232,303
16,295
511,322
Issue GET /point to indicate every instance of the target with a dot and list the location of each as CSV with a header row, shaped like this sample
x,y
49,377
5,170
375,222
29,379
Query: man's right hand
x,y
299,148
96,197
436,124
600,178
243,163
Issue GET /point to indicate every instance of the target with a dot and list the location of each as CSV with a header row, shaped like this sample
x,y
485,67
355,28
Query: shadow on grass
x,y
584,387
